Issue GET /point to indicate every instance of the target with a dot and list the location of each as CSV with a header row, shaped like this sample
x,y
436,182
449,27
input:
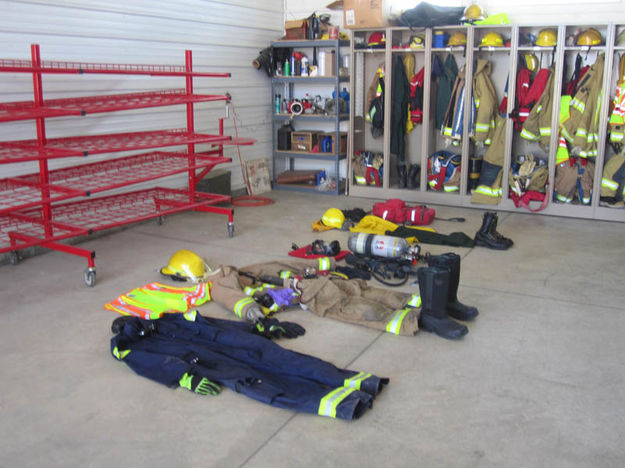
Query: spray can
x,y
293,65
287,68
381,246
304,66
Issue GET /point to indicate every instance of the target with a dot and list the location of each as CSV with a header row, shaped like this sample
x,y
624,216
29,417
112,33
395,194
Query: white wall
x,y
559,11
223,35
522,11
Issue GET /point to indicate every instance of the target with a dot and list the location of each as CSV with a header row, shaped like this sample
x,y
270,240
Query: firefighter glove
x,y
200,385
254,313
283,297
526,169
273,328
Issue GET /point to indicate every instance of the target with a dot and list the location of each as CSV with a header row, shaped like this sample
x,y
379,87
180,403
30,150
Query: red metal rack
x,y
26,110
28,150
30,212
18,193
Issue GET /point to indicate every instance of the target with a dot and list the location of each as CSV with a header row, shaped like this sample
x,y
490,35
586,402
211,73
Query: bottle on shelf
x,y
304,66
277,103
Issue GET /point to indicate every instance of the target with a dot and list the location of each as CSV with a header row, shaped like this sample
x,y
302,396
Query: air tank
x,y
380,246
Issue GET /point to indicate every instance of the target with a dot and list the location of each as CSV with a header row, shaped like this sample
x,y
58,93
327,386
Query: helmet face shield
x,y
531,61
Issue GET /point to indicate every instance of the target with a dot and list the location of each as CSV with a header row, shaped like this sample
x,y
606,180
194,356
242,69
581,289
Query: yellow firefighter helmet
x,y
185,265
589,37
492,39
547,38
456,39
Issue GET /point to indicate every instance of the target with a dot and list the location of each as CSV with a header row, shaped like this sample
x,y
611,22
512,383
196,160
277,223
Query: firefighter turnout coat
x,y
352,301
485,99
537,127
581,129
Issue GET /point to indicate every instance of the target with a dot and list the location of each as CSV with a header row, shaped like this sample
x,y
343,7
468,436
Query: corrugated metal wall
x,y
223,35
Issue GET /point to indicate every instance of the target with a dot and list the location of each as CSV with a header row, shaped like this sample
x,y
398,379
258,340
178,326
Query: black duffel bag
x,y
426,15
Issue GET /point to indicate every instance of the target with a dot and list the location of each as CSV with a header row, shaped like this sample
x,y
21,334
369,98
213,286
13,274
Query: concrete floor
x,y
538,381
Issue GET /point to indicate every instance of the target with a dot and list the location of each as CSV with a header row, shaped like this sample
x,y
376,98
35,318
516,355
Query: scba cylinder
x,y
379,246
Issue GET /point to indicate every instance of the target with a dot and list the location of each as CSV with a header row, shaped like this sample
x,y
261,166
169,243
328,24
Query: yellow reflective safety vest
x,y
155,299
562,154
617,117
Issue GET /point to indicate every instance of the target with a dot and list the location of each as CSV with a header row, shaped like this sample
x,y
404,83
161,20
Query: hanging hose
x,y
246,200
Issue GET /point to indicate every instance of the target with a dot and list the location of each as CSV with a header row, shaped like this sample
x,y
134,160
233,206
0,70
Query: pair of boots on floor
x,y
438,287
408,177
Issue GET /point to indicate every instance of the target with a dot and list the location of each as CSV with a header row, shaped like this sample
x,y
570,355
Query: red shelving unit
x,y
26,110
31,212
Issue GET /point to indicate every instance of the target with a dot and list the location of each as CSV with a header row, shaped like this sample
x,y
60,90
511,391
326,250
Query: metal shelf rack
x,y
26,110
286,85
30,212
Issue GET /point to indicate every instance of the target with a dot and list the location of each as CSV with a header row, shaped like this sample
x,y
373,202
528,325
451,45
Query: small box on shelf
x,y
327,142
296,29
307,177
366,13
303,141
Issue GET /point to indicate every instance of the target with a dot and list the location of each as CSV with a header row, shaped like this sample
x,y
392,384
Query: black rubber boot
x,y
493,231
485,237
413,176
401,172
455,308
433,288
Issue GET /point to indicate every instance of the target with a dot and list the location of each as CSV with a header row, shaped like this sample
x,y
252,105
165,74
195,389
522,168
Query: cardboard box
x,y
303,141
257,171
296,29
365,13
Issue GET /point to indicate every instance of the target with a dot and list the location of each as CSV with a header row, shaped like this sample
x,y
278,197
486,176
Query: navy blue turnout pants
x,y
231,354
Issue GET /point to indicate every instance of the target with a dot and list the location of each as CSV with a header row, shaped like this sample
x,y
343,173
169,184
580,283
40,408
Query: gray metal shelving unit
x,y
286,86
